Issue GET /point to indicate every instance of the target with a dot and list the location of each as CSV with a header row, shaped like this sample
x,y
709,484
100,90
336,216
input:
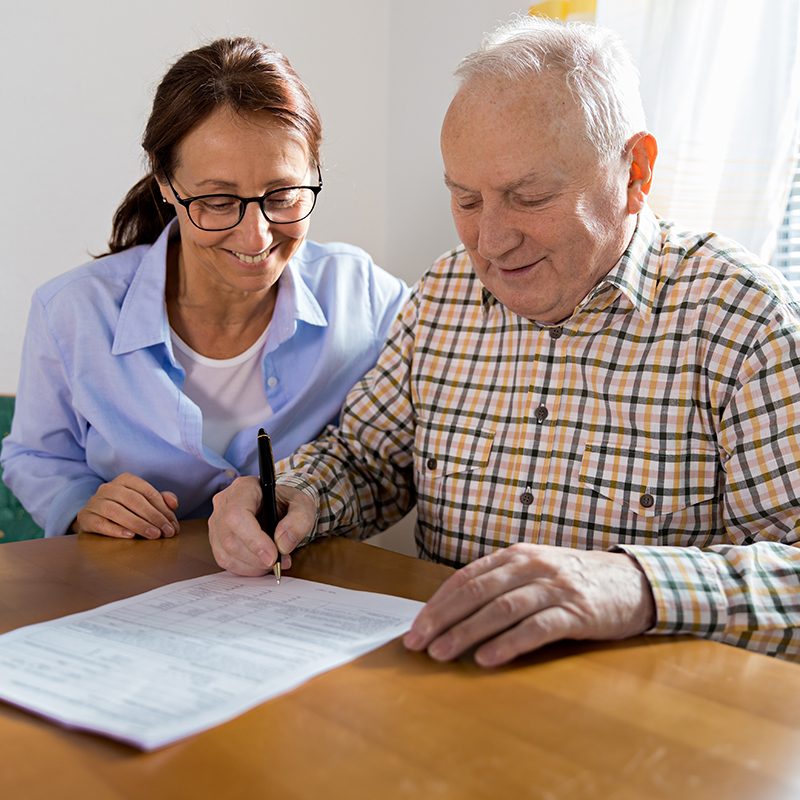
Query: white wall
x,y
76,84
421,63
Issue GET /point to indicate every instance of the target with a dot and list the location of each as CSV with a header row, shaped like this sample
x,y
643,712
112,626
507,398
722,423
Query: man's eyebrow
x,y
451,184
530,177
524,180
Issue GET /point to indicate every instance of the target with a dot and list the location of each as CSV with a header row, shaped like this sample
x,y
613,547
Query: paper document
x,y
162,665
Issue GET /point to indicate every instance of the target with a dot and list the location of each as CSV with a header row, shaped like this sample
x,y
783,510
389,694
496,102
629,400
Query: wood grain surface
x,y
647,718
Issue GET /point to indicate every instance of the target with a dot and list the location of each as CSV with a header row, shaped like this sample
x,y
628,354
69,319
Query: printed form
x,y
163,665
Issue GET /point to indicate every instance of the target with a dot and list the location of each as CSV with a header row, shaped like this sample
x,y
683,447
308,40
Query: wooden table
x,y
648,718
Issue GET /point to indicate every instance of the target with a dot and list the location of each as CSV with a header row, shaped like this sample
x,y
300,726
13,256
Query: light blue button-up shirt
x,y
100,388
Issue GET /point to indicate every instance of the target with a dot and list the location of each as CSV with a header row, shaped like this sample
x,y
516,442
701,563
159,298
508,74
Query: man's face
x,y
543,220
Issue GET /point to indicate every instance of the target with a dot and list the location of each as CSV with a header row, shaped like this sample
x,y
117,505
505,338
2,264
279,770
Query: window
x,y
787,249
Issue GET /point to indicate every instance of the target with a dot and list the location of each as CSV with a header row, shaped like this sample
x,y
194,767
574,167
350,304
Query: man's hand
x,y
128,506
239,544
517,599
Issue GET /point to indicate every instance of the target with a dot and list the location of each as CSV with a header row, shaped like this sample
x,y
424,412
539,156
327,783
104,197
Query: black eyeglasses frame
x,y
244,201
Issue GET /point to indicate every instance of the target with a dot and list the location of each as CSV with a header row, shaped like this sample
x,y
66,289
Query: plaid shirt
x,y
659,419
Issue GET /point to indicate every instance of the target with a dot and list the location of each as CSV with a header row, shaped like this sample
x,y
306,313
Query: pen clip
x,y
266,461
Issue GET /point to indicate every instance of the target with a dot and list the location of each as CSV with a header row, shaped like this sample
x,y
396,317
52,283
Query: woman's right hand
x,y
126,507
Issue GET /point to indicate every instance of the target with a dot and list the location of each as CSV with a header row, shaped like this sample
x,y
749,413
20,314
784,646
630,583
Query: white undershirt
x,y
229,391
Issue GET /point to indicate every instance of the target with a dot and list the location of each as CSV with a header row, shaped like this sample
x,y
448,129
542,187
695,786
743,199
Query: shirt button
x,y
272,382
540,414
431,463
556,332
231,473
526,498
646,500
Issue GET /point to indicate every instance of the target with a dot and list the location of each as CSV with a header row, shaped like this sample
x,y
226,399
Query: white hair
x,y
596,67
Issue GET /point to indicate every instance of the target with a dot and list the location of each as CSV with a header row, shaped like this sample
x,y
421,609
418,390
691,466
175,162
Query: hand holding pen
x,y
268,513
235,527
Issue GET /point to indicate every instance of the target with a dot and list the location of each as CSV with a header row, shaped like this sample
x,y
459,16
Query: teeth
x,y
251,259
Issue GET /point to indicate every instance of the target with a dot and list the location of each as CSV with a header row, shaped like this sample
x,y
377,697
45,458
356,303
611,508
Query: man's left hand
x,y
521,597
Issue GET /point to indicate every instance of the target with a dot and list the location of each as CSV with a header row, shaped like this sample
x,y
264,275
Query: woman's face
x,y
246,155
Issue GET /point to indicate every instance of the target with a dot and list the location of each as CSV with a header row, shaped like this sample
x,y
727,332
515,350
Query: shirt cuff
x,y
687,591
66,505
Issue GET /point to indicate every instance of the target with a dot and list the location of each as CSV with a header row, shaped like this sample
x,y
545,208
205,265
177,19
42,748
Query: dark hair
x,y
241,74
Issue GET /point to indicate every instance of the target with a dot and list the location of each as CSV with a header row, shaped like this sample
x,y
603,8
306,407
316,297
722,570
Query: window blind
x,y
787,250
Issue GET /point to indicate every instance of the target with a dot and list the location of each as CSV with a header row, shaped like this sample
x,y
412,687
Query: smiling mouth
x,y
521,267
256,259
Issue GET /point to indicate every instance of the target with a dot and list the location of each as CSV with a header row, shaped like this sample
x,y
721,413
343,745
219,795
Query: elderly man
x,y
594,413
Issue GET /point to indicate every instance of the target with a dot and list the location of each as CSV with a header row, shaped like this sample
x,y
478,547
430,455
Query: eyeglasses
x,y
220,212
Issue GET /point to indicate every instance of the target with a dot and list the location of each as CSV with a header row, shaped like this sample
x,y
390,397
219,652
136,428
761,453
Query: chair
x,y
15,522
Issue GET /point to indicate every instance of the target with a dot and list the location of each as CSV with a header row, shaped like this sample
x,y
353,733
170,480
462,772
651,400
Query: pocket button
x,y
647,500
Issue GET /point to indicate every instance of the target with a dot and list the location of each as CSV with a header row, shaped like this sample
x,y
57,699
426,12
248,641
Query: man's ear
x,y
641,150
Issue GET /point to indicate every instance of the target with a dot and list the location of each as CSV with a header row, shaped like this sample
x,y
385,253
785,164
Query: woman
x,y
147,372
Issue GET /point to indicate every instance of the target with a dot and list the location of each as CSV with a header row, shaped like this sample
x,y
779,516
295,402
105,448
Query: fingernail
x,y
488,657
412,640
152,532
128,534
168,530
288,540
421,629
440,650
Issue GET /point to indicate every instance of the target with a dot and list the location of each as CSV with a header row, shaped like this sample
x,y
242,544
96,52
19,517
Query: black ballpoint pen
x,y
268,513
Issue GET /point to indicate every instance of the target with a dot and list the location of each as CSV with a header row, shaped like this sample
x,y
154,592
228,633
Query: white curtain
x,y
721,88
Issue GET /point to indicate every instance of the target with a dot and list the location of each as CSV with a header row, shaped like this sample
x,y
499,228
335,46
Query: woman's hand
x,y
126,507
239,544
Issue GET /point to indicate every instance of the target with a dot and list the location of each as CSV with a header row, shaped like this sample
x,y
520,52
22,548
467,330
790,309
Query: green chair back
x,y
15,522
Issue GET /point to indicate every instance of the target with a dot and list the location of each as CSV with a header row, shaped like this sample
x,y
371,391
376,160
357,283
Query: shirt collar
x,y
487,299
143,317
635,275
295,303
